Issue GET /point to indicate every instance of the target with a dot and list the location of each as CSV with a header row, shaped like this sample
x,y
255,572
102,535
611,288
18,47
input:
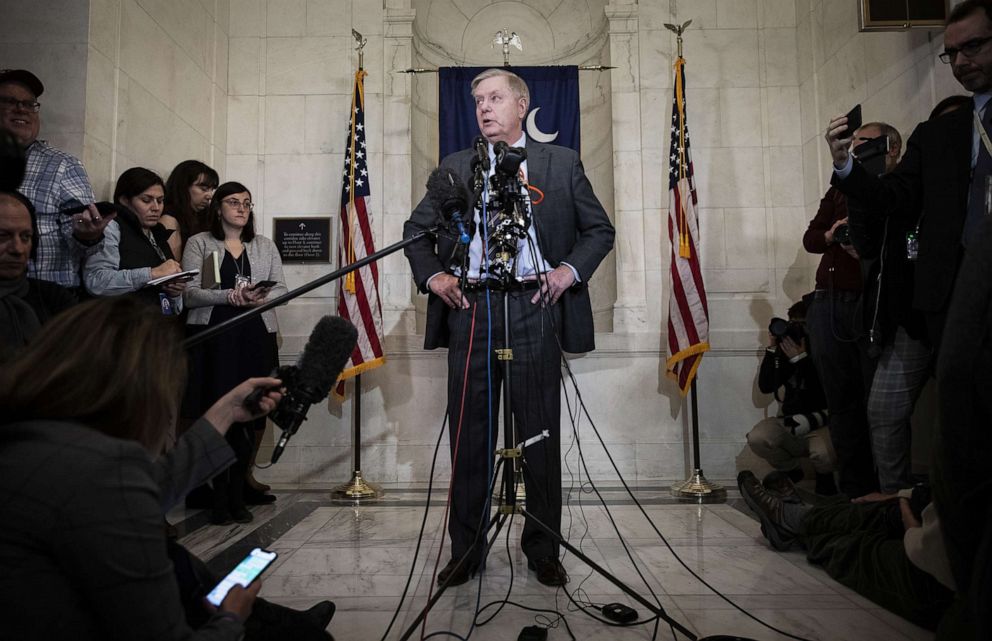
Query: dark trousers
x,y
474,384
229,485
861,547
841,358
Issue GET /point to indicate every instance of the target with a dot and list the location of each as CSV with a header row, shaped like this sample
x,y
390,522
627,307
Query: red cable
x,y
541,193
454,464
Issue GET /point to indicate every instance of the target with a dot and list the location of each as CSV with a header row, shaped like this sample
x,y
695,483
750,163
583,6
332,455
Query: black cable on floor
x,y
640,507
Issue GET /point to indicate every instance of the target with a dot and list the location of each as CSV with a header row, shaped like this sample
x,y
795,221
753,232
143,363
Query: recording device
x,y
533,633
781,328
853,122
481,159
508,213
105,208
12,162
871,154
919,499
619,612
449,196
803,424
842,234
309,381
243,574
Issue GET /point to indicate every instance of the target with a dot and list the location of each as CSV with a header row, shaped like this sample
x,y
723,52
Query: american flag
x,y
358,293
688,314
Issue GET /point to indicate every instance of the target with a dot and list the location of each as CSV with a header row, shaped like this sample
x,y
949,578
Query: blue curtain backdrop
x,y
554,94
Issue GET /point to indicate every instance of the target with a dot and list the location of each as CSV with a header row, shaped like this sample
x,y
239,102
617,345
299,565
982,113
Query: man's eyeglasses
x,y
234,203
968,50
13,103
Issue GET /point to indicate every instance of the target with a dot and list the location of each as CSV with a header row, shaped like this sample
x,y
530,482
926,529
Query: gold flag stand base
x,y
356,490
696,488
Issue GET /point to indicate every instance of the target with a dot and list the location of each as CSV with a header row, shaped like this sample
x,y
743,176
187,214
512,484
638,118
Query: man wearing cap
x,y
54,181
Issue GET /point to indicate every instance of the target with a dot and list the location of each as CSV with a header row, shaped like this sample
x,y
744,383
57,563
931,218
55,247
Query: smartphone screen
x,y
246,572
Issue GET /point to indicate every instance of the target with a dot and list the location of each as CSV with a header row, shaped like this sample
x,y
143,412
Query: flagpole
x,y
356,490
696,488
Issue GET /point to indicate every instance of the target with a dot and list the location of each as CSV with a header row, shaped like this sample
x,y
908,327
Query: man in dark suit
x,y
548,310
938,188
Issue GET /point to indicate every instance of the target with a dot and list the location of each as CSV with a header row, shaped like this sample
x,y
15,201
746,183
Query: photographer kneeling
x,y
798,431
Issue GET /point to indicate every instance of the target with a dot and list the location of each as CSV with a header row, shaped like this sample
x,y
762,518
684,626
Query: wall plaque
x,y
303,240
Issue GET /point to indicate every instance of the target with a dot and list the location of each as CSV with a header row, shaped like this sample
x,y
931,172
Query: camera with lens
x,y
781,328
842,234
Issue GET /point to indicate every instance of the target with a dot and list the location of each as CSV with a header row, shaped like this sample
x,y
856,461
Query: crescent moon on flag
x,y
536,133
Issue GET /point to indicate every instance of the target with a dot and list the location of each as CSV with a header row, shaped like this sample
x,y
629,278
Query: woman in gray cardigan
x,y
250,272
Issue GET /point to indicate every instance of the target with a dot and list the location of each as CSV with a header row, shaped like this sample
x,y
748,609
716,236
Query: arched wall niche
x,y
553,32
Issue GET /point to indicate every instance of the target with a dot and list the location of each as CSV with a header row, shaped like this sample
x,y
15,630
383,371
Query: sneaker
x,y
768,507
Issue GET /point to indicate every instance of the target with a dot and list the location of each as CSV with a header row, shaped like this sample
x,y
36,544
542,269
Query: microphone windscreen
x,y
326,353
447,192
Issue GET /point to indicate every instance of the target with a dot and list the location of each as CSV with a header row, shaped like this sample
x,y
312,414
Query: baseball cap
x,y
24,77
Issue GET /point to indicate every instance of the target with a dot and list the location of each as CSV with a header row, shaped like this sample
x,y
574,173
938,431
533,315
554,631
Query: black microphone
x,y
308,382
450,198
481,147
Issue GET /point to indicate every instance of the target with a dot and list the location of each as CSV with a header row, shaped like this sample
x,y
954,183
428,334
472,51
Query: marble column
x,y
400,316
629,312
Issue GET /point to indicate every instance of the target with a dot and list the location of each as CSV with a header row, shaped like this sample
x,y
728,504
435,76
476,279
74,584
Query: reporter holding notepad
x,y
135,248
246,260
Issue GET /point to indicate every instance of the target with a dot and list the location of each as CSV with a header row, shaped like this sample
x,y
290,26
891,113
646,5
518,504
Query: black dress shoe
x,y
452,577
769,509
242,515
780,484
257,497
221,517
549,571
322,613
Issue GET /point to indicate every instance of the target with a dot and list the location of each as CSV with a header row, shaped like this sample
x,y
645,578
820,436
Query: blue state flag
x,y
553,114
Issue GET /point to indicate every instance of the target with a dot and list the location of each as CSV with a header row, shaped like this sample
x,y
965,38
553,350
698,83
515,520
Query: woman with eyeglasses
x,y
135,247
250,273
188,191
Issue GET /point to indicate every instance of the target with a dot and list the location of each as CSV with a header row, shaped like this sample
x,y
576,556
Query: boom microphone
x,y
309,381
450,198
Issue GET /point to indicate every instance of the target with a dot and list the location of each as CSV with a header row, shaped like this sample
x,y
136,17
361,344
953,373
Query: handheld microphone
x,y
450,198
481,147
309,381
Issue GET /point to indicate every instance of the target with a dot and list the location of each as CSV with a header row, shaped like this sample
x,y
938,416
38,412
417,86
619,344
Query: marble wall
x,y
156,86
896,77
743,99
262,90
50,39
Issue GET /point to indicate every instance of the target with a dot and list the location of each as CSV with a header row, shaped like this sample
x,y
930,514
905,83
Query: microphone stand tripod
x,y
511,455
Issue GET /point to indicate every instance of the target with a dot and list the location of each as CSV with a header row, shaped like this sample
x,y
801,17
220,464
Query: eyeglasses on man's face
x,y
10,104
969,50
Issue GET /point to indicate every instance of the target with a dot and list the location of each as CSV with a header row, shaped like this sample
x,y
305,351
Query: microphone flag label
x,y
552,116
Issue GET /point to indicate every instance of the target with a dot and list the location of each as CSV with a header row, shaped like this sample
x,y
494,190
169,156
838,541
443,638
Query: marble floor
x,y
362,558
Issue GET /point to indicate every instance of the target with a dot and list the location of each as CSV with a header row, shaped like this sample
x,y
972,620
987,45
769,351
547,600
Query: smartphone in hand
x,y
853,122
263,284
247,571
